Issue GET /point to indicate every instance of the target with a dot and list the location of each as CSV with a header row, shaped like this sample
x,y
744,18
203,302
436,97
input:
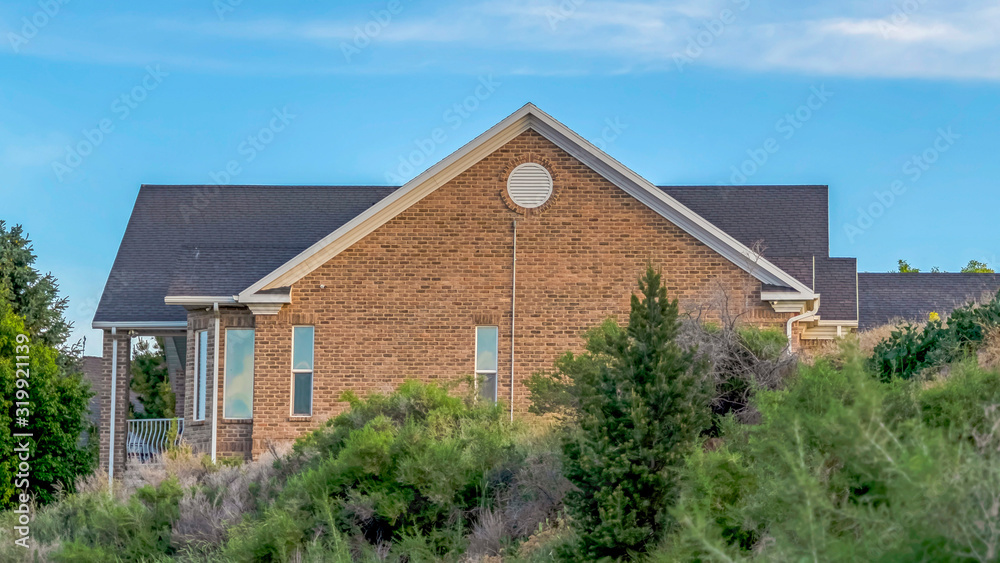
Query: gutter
x,y
114,396
810,313
513,294
215,386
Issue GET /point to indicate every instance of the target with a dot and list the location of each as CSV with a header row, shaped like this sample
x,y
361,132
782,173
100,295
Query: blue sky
x,y
894,105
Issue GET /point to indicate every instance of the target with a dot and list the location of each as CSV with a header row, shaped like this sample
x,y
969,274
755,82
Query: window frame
x,y
311,371
494,372
200,399
225,371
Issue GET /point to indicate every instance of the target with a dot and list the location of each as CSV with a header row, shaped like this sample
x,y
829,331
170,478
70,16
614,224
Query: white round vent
x,y
529,185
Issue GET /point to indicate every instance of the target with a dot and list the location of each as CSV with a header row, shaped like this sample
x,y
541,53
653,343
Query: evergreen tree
x,y
641,402
151,381
33,296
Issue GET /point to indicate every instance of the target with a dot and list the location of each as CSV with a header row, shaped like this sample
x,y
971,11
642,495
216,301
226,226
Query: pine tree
x,y
642,402
33,296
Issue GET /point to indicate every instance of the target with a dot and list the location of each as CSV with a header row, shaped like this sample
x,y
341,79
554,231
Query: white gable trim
x,y
528,117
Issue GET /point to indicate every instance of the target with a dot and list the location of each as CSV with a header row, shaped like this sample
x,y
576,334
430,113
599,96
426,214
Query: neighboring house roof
x,y
171,248
528,117
913,296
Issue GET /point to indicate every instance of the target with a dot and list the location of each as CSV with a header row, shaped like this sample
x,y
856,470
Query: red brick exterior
x,y
233,435
120,409
404,301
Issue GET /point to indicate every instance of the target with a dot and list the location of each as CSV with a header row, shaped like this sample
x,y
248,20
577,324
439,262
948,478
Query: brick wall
x,y
234,435
120,410
404,301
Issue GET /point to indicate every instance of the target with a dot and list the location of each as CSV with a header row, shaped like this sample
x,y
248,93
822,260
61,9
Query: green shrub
x,y
910,349
58,402
91,525
844,467
412,464
641,402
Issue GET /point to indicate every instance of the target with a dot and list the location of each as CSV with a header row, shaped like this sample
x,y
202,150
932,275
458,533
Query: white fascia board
x,y
787,296
198,300
393,204
826,322
264,298
528,117
658,200
143,325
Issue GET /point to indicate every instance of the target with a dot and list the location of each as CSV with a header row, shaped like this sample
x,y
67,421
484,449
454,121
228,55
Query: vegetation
x,y
57,395
976,267
973,267
676,441
641,401
910,349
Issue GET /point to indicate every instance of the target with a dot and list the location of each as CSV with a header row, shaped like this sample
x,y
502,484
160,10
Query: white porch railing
x,y
148,438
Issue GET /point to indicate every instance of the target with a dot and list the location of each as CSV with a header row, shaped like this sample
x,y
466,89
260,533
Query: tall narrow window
x,y
302,370
238,389
486,361
200,374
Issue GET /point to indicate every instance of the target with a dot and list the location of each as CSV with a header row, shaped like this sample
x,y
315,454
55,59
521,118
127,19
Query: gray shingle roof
x,y
836,280
886,297
217,240
793,223
791,220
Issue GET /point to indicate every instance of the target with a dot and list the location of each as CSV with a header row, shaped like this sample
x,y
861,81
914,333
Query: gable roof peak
x,y
528,116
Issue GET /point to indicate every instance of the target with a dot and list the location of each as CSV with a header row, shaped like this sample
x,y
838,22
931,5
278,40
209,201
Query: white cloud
x,y
915,39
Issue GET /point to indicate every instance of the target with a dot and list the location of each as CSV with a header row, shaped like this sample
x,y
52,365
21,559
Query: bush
x,y
910,349
97,527
639,403
413,466
844,467
58,402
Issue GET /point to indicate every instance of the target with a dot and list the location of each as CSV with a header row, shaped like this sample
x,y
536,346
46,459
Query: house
x,y
274,300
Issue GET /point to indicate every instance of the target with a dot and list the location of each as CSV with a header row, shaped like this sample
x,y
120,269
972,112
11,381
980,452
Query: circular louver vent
x,y
529,185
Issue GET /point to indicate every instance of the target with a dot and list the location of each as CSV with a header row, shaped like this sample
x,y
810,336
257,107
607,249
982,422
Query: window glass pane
x,y
488,386
238,399
302,343
302,403
201,379
486,348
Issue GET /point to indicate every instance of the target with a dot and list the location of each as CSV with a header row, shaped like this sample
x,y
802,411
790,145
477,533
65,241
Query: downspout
x,y
807,315
513,295
114,396
215,385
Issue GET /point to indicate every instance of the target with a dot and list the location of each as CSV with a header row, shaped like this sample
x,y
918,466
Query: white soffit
x,y
528,117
